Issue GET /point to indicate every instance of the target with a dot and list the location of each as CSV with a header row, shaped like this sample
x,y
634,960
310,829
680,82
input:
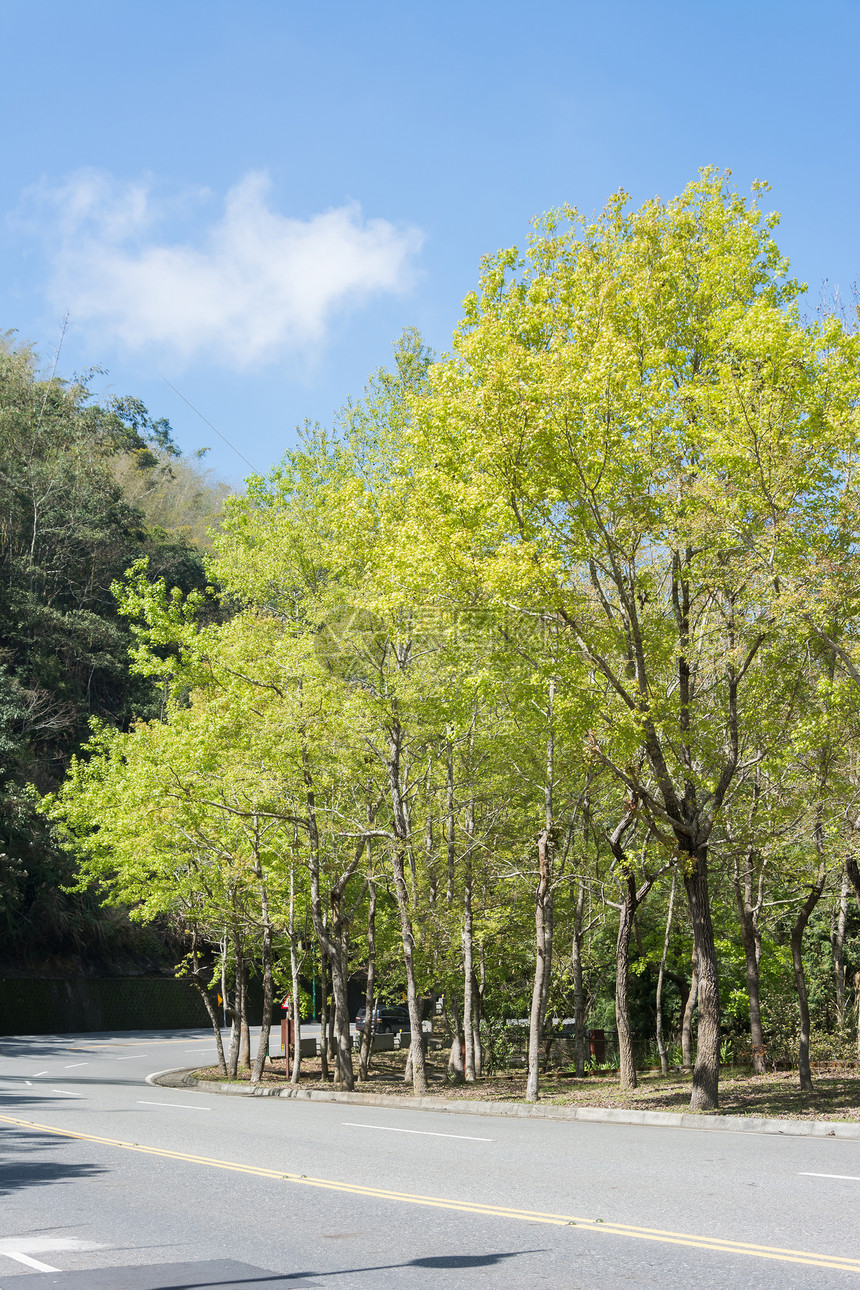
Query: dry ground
x,y
836,1095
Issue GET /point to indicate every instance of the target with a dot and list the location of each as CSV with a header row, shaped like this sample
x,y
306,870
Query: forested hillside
x,y
85,490
539,694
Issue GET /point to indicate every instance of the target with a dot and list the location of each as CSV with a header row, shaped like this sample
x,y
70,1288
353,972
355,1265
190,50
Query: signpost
x,y
287,1032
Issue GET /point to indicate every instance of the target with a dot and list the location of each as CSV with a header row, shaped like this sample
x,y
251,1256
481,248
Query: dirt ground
x,y
836,1095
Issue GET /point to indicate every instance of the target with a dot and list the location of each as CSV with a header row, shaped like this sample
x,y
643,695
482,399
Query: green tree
x,y
634,433
67,532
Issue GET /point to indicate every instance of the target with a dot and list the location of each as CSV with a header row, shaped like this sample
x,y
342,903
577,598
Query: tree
x,y
635,430
68,531
524,632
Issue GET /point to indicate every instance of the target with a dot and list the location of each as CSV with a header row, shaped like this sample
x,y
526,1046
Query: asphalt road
x,y
102,1171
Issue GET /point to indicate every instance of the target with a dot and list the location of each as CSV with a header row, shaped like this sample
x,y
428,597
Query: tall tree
x,y
622,441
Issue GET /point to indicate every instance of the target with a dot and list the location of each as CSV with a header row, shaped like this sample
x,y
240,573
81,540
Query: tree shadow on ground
x,y
30,1047
773,1095
16,1174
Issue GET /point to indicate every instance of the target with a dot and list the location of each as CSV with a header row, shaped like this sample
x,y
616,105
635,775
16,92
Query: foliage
x,y
68,532
531,632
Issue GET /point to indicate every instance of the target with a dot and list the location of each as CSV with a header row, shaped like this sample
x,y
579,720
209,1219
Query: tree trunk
x,y
456,1063
477,1014
687,1020
340,1014
294,976
543,965
401,831
200,987
451,824
706,1073
245,1030
341,1036
627,1065
331,1046
851,868
335,1043
748,911
331,943
468,975
804,1069
838,947
580,1037
224,995
416,1050
216,1027
370,987
543,909
324,1017
853,871
235,1028
265,962
661,1043
268,999
631,899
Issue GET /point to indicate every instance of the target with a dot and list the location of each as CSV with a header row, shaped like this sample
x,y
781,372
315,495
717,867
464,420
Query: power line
x,y
50,379
211,427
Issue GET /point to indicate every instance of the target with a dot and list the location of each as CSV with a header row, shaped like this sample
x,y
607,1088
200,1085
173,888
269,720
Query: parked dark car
x,y
388,1019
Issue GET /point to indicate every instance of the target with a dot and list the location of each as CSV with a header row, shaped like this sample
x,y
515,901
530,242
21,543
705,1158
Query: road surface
x,y
102,1172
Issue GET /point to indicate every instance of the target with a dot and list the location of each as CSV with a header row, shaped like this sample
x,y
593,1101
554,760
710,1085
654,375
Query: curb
x,y
528,1110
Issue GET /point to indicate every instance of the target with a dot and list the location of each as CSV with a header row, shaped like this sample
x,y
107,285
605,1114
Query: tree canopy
x,y
69,531
540,634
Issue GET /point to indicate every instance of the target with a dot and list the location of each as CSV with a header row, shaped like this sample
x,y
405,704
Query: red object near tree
x,y
287,1032
597,1044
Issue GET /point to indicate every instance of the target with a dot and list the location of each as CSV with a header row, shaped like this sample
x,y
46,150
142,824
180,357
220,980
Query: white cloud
x,y
253,286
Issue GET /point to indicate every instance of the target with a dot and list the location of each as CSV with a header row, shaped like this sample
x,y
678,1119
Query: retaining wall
x,y
47,1006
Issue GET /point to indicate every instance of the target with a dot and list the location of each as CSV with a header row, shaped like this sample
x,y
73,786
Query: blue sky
x,y
252,201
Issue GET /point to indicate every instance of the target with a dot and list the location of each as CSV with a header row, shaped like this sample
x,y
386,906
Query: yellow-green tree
x,y
635,432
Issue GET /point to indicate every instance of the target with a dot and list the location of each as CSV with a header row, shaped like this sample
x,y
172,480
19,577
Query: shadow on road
x,y
16,1173
466,1260
432,1263
36,1092
225,1274
31,1047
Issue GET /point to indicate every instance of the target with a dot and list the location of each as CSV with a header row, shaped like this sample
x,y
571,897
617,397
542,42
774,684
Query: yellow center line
x,y
717,1243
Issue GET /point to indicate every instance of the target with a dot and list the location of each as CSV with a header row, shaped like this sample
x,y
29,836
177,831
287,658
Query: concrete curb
x,y
527,1110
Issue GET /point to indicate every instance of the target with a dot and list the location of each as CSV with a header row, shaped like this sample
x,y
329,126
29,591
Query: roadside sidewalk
x,y
526,1110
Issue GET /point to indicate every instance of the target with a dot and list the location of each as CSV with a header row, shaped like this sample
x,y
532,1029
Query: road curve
x,y
102,1171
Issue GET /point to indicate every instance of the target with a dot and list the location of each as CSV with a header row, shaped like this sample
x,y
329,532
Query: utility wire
x,y
211,427
50,379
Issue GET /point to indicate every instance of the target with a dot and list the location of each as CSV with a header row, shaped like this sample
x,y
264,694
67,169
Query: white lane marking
x,y
132,1058
65,1094
75,1064
30,1263
38,1073
846,1177
424,1133
185,1105
29,1083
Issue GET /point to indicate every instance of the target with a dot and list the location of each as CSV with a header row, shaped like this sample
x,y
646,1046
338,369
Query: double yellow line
x,y
608,1228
